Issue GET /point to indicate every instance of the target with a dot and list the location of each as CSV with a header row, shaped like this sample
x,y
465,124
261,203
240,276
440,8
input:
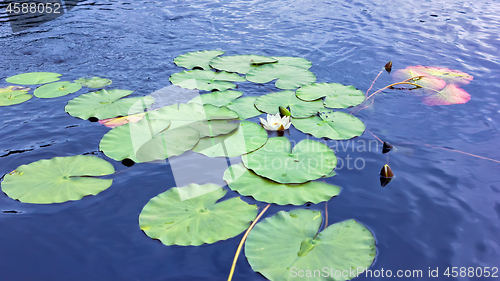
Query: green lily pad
x,y
334,125
124,141
247,183
289,77
206,80
294,61
217,98
106,104
171,142
94,82
309,160
57,180
240,63
288,242
191,114
197,59
197,220
244,107
248,137
57,89
33,78
337,95
270,104
14,95
213,128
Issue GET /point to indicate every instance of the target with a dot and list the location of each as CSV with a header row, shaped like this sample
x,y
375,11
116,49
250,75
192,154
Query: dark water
x,y
441,211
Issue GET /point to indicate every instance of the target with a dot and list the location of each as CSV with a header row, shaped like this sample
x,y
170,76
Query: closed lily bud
x,y
386,147
388,67
386,172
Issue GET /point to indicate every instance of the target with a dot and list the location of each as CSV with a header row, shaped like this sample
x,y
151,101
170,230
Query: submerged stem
x,y
392,85
243,241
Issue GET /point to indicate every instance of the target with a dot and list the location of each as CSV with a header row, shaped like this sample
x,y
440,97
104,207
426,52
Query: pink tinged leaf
x,y
424,79
450,76
451,94
119,121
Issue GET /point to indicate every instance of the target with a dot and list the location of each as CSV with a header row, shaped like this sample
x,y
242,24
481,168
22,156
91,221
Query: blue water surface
x,y
442,210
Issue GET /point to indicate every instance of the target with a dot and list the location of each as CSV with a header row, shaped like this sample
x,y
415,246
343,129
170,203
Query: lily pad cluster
x,y
302,97
49,88
217,123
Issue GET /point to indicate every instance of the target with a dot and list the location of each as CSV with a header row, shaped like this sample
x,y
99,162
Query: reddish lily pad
x,y
450,94
423,79
450,76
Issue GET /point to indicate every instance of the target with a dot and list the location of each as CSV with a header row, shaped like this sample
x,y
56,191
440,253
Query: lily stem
x,y
243,241
392,85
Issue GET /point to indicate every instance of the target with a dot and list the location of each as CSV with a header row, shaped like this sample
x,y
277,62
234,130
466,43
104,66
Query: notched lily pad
x,y
244,107
248,137
281,245
334,125
57,180
217,98
123,142
14,95
240,63
199,59
205,80
189,215
57,89
191,114
276,160
289,77
336,95
34,78
247,183
270,104
294,61
106,104
450,76
171,142
94,82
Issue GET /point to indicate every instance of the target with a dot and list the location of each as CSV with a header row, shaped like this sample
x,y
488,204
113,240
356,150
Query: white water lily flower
x,y
276,123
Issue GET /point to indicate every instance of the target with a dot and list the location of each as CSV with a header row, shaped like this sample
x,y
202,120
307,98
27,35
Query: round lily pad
x,y
337,95
240,63
14,95
270,104
197,59
171,142
106,104
294,61
289,77
191,114
217,98
309,160
248,137
188,215
57,89
57,180
288,242
124,141
206,80
94,82
247,183
334,125
244,107
33,78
